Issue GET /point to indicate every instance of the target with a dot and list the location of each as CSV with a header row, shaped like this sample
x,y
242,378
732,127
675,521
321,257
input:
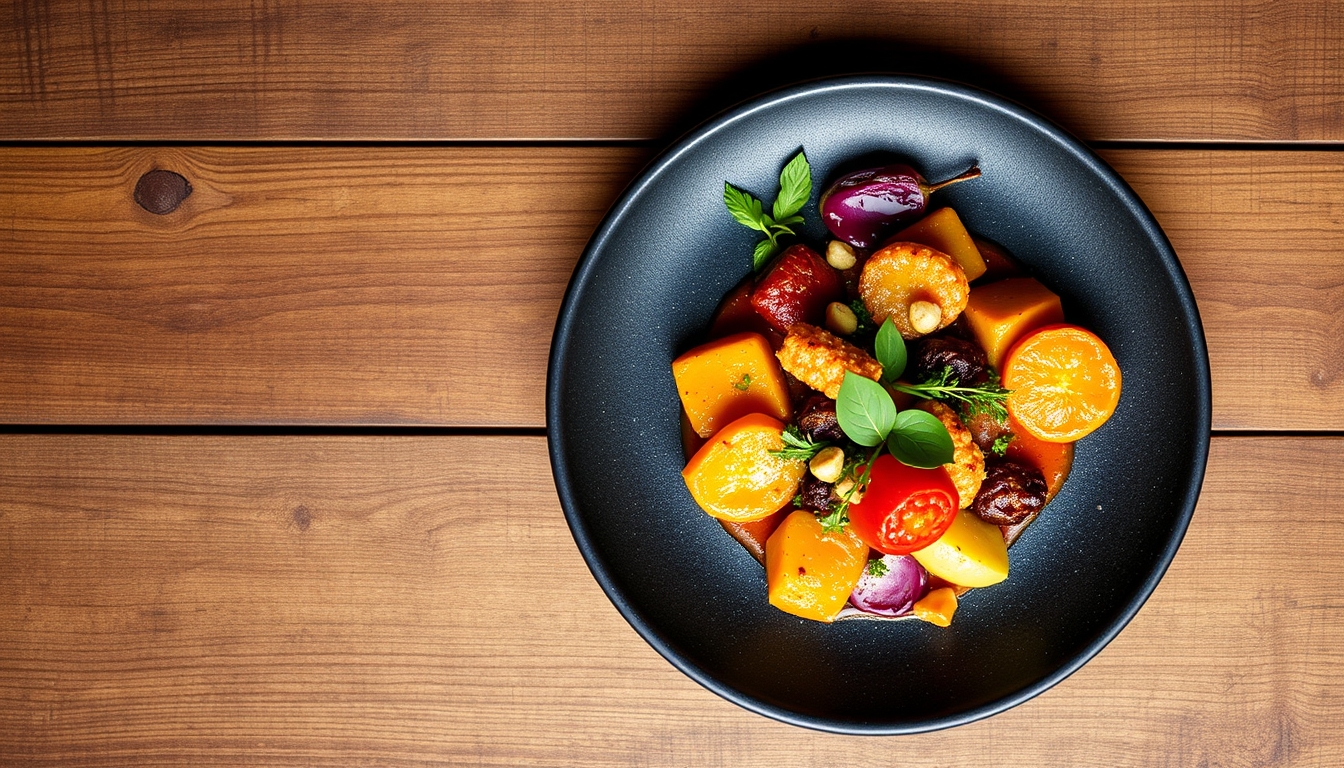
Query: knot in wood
x,y
160,192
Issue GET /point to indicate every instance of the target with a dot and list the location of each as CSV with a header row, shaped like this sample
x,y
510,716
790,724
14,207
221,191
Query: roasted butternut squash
x,y
728,378
1001,313
810,573
943,231
734,477
937,607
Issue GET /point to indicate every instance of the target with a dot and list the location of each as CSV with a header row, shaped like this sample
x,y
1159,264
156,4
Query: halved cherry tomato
x,y
904,508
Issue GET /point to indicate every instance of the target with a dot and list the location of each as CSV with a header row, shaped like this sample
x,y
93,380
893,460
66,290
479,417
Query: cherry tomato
x,y
904,509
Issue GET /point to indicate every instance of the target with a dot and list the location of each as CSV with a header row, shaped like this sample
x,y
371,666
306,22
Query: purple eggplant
x,y
893,593
861,207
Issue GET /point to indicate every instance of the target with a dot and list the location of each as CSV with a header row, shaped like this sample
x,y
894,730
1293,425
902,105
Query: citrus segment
x,y
1065,383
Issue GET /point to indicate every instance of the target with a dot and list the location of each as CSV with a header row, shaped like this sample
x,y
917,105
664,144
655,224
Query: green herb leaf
x,y
865,410
835,520
745,208
877,568
761,256
795,187
990,397
890,348
861,312
795,182
744,384
1000,446
798,446
919,439
798,501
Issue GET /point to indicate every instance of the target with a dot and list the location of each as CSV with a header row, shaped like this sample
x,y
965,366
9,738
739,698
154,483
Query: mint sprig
x,y
795,188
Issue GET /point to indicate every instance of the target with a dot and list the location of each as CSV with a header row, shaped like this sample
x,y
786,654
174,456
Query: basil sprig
x,y
868,415
795,187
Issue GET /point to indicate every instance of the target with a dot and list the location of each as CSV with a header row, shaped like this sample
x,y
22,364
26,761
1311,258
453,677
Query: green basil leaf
x,y
745,208
865,410
919,439
890,348
795,187
761,256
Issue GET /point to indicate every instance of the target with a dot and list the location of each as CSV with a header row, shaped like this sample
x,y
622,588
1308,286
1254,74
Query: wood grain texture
x,y
281,69
391,286
327,601
293,285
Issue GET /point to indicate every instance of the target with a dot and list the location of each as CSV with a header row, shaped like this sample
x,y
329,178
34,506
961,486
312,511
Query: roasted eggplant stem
x,y
972,173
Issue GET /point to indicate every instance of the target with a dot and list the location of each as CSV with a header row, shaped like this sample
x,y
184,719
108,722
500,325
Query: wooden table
x,y
275,463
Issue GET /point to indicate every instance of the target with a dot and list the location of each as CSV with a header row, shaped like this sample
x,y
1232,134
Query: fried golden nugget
x,y
967,469
819,359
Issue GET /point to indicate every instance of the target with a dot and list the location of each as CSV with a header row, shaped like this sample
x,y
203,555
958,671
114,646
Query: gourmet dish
x,y
878,424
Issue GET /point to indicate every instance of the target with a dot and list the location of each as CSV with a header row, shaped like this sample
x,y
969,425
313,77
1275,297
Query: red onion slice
x,y
893,593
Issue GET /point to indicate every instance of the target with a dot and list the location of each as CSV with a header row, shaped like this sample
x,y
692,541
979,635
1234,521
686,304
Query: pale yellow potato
x,y
972,553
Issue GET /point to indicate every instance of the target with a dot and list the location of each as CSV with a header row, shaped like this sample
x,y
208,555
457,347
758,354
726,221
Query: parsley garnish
x,y
797,445
744,384
1000,446
795,187
877,568
986,398
861,312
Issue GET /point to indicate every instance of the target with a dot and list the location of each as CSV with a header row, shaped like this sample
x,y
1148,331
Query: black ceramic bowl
x,y
644,292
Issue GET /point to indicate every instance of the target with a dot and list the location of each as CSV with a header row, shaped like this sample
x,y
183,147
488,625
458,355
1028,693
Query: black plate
x,y
644,292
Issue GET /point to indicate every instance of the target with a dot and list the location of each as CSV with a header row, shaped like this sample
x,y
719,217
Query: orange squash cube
x,y
810,573
1001,313
728,378
937,607
734,477
943,231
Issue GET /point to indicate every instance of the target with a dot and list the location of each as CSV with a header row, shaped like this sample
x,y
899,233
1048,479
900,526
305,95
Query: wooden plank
x,y
342,69
340,601
1261,238
391,286
293,285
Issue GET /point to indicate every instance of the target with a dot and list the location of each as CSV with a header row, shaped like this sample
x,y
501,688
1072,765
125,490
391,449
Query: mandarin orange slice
x,y
1065,383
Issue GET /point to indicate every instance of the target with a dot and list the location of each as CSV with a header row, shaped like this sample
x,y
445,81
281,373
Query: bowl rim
x,y
725,120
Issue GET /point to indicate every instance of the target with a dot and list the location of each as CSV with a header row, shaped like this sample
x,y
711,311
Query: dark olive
x,y
817,495
968,362
1011,493
817,419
